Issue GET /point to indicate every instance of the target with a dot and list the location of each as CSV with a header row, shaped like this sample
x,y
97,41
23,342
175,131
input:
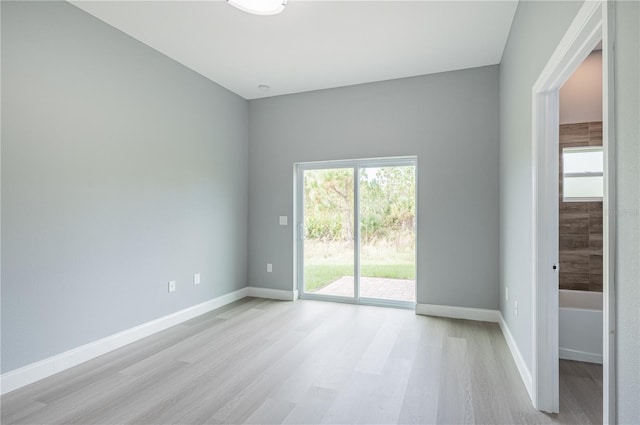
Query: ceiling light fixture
x,y
264,87
259,7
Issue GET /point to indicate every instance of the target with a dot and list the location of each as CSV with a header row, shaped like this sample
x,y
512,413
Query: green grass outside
x,y
318,276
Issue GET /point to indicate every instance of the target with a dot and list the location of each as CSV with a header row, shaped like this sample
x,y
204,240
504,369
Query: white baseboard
x,y
580,356
525,374
26,375
274,294
467,313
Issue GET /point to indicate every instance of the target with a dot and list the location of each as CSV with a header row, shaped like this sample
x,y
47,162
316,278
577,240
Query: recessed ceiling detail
x,y
315,44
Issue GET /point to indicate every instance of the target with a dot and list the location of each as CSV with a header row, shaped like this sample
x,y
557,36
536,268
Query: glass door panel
x,y
387,233
328,234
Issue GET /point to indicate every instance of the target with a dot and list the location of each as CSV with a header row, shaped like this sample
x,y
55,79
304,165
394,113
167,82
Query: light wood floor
x,y
581,391
262,362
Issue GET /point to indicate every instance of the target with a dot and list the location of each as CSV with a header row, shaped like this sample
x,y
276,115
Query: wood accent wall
x,y
580,222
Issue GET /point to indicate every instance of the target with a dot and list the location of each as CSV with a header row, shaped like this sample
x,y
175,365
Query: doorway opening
x,y
591,25
356,231
581,189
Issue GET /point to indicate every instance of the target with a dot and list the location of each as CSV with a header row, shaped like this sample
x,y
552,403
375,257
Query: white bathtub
x,y
581,326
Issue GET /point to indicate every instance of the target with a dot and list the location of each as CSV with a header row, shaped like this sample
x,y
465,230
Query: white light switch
x,y
172,286
196,279
283,220
269,268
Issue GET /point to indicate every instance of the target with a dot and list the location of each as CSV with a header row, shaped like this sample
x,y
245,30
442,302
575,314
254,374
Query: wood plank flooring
x,y
309,362
581,391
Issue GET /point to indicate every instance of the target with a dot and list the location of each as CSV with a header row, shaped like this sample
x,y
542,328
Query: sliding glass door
x,y
356,231
387,233
328,242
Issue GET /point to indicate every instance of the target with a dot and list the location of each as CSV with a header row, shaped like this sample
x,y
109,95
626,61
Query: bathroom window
x,y
582,174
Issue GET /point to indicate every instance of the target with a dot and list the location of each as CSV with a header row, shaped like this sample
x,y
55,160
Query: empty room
x,y
320,212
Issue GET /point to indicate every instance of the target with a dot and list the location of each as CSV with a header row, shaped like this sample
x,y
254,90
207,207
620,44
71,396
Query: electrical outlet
x,y
506,293
196,279
172,286
269,268
516,308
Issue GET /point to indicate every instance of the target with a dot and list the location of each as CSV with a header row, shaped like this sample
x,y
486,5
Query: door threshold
x,y
372,302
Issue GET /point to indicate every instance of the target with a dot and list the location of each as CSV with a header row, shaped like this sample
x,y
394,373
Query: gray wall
x,y
121,170
449,120
627,101
528,49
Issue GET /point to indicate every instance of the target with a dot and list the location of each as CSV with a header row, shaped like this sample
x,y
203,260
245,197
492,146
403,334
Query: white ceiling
x,y
315,44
